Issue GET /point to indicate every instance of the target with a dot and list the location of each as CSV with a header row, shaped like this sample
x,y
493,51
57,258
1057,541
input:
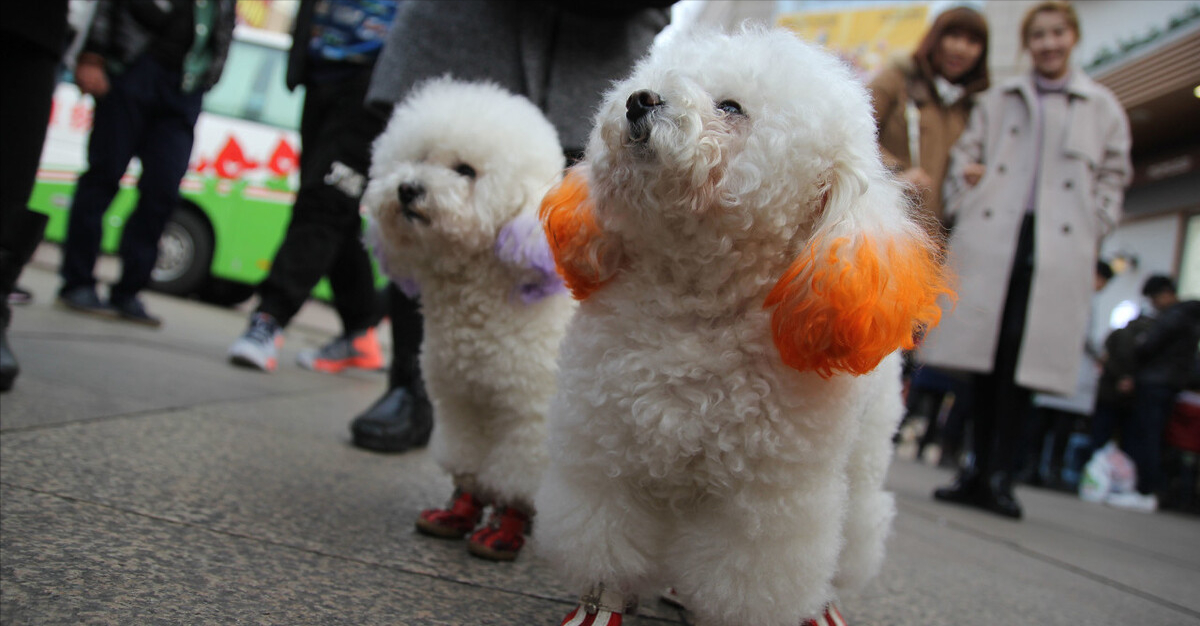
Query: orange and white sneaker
x,y
600,607
259,346
360,349
831,617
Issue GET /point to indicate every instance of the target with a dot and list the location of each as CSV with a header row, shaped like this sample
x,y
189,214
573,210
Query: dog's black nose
x,y
641,103
409,192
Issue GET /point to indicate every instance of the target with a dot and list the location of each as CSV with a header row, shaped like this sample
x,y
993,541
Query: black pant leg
x,y
1012,402
337,132
407,333
165,150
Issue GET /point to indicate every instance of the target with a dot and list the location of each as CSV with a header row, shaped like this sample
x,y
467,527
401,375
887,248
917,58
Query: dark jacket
x,y
560,55
1120,361
122,31
1166,351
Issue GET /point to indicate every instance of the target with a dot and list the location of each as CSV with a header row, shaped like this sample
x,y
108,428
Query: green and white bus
x,y
237,195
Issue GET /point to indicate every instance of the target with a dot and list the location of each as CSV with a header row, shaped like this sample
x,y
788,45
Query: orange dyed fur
x,y
570,224
844,307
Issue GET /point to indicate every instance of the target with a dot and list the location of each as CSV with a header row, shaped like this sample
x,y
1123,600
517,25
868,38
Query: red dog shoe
x,y
455,521
502,538
600,607
831,617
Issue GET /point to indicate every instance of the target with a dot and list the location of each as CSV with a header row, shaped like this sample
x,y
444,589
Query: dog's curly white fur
x,y
728,388
455,183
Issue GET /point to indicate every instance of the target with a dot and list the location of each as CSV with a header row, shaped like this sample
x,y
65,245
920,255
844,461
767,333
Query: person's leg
x,y
1144,441
165,150
402,418
117,126
23,113
336,136
1000,404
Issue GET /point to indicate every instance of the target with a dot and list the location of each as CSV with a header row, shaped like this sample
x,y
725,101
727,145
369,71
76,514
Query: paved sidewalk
x,y
143,480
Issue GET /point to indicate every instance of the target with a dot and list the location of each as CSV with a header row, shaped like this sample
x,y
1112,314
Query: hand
x,y
918,178
972,173
1125,385
90,75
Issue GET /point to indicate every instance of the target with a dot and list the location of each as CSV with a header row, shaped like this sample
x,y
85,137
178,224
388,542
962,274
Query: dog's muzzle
x,y
638,108
407,192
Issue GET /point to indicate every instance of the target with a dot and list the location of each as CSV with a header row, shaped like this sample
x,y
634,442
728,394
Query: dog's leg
x,y
594,532
759,557
870,509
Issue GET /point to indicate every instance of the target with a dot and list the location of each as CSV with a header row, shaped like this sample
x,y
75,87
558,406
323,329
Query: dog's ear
x,y
586,257
868,278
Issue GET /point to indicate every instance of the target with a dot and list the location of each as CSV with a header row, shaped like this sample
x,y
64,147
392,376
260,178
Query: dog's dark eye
x,y
465,170
731,107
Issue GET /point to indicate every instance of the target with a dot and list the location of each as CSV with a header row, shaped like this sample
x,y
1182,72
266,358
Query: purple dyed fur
x,y
522,243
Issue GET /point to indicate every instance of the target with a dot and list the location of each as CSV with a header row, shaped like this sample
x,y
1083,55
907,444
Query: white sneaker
x,y
1133,501
259,346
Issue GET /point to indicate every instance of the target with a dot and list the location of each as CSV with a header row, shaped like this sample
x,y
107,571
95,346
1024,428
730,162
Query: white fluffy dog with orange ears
x,y
456,179
728,389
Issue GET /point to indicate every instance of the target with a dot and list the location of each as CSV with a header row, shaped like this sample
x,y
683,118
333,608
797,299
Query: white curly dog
x,y
456,179
728,388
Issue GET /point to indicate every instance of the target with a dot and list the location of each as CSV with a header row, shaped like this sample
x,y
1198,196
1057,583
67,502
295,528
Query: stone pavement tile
x,y
1154,554
73,562
943,575
117,375
271,471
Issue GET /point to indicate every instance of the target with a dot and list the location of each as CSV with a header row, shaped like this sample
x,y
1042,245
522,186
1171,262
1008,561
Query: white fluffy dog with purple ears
x,y
456,179
728,389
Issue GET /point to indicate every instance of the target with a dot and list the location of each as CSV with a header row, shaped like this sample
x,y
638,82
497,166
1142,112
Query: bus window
x,y
252,88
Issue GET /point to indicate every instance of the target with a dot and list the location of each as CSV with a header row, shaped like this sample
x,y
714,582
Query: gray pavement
x,y
145,481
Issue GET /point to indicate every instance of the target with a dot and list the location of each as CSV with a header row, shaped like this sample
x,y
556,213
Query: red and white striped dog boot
x,y
459,518
503,536
831,617
599,607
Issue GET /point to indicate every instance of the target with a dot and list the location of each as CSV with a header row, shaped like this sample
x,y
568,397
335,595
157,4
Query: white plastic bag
x,y
1109,471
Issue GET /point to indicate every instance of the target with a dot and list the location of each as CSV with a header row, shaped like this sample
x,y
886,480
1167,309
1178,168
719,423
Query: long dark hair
x,y
961,19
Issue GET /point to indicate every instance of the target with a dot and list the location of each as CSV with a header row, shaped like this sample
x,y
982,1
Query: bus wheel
x,y
184,254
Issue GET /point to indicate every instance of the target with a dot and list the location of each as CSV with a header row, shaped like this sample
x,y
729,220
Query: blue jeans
x,y
144,114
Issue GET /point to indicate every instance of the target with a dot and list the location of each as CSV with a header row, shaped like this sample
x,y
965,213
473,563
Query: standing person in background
x,y
1036,180
922,102
32,37
1166,353
560,55
334,47
148,64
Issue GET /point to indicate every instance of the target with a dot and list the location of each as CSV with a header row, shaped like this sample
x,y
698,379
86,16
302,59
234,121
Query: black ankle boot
x,y
967,488
998,497
401,420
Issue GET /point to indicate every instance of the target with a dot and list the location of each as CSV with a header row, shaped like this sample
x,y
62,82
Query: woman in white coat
x,y
1036,180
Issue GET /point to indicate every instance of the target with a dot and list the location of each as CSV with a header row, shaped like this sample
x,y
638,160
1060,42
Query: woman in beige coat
x,y
922,102
1035,182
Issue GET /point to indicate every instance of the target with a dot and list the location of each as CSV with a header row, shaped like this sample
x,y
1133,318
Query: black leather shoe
x,y
999,499
967,489
397,422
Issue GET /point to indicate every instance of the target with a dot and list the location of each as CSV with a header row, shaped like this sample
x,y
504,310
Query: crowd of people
x,y
999,173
